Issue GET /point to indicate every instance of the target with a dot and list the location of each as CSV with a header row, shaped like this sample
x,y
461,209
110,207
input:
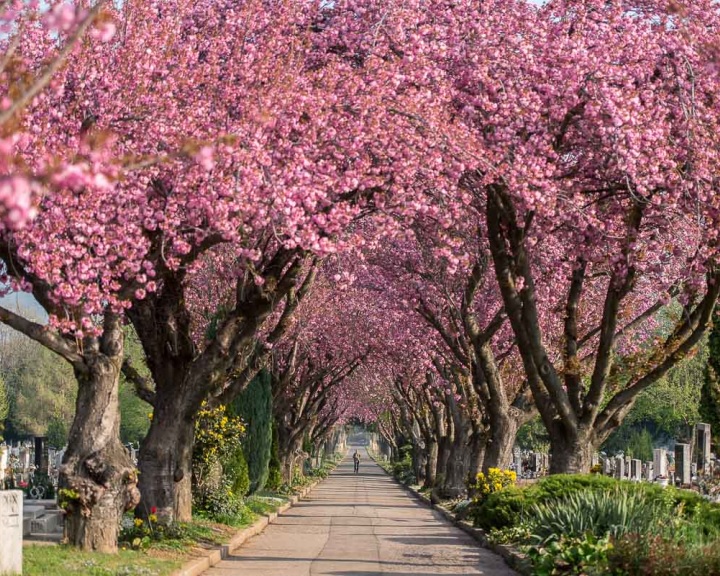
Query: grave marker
x,y
620,467
682,463
660,466
11,531
703,448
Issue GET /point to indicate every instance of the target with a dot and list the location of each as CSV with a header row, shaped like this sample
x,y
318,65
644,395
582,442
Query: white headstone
x,y
620,467
635,469
11,531
649,472
660,465
517,462
607,466
25,459
3,463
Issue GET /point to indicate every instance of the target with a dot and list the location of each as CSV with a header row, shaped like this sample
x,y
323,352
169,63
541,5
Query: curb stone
x,y
513,557
210,558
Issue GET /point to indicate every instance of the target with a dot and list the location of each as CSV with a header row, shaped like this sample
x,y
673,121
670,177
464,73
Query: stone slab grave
x,y
43,521
11,531
660,467
682,464
703,449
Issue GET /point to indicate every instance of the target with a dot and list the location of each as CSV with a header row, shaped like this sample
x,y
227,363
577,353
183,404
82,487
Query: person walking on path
x,y
356,461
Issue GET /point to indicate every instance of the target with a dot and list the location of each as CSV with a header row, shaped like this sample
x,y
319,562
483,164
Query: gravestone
x,y
682,463
24,459
3,463
649,472
703,448
533,464
660,466
636,469
607,466
595,459
11,531
517,461
41,454
620,467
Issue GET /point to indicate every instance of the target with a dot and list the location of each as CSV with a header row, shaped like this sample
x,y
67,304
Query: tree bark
x,y
503,432
97,481
165,463
570,453
431,448
478,443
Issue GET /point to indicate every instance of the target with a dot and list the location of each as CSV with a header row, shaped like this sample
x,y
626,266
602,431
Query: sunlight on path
x,y
360,525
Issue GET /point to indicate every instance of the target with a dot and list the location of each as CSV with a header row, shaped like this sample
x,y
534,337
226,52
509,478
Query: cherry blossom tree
x,y
251,135
598,126
97,478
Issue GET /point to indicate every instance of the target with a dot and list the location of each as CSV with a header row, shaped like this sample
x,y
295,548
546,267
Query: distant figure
x,y
356,461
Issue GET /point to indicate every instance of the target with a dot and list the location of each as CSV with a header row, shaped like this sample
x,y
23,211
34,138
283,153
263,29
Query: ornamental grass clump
x,y
612,513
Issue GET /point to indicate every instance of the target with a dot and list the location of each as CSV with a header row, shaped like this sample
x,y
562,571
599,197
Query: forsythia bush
x,y
217,435
495,481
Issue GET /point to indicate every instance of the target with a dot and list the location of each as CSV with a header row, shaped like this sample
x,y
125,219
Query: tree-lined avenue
x,y
360,525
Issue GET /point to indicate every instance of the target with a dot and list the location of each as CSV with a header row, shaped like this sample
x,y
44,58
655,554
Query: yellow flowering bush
x,y
494,481
216,455
216,434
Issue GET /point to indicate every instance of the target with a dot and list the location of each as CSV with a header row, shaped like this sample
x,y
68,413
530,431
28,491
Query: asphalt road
x,y
360,525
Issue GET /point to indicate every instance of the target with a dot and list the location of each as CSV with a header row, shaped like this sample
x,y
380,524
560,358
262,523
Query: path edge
x,y
214,556
513,558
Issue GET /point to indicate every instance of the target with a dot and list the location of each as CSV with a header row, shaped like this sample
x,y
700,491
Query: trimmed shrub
x,y
236,470
275,480
254,406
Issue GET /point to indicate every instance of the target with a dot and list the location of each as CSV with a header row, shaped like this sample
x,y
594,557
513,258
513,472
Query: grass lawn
x,y
149,553
66,561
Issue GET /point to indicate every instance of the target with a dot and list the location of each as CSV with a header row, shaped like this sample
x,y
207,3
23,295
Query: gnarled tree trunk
x,y
98,482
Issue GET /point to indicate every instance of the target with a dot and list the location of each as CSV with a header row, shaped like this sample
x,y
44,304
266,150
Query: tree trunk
x,y
503,432
477,446
165,463
98,482
444,452
570,453
431,448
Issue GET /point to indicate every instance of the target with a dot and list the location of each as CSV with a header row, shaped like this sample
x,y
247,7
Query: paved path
x,y
360,525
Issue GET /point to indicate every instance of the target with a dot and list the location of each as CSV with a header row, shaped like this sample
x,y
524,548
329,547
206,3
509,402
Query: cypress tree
x,y
254,406
710,393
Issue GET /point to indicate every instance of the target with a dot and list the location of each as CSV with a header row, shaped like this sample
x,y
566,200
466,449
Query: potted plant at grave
x,y
662,480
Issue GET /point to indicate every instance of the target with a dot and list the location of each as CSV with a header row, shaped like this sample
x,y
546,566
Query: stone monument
x,y
703,449
682,463
660,465
620,467
11,531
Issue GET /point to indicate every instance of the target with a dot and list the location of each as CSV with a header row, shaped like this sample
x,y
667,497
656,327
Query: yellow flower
x,y
152,518
138,522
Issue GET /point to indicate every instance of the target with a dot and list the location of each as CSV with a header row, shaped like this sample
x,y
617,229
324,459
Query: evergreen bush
x,y
275,480
254,406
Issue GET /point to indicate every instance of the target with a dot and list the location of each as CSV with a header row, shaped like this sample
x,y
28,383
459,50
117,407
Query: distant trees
x,y
40,392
